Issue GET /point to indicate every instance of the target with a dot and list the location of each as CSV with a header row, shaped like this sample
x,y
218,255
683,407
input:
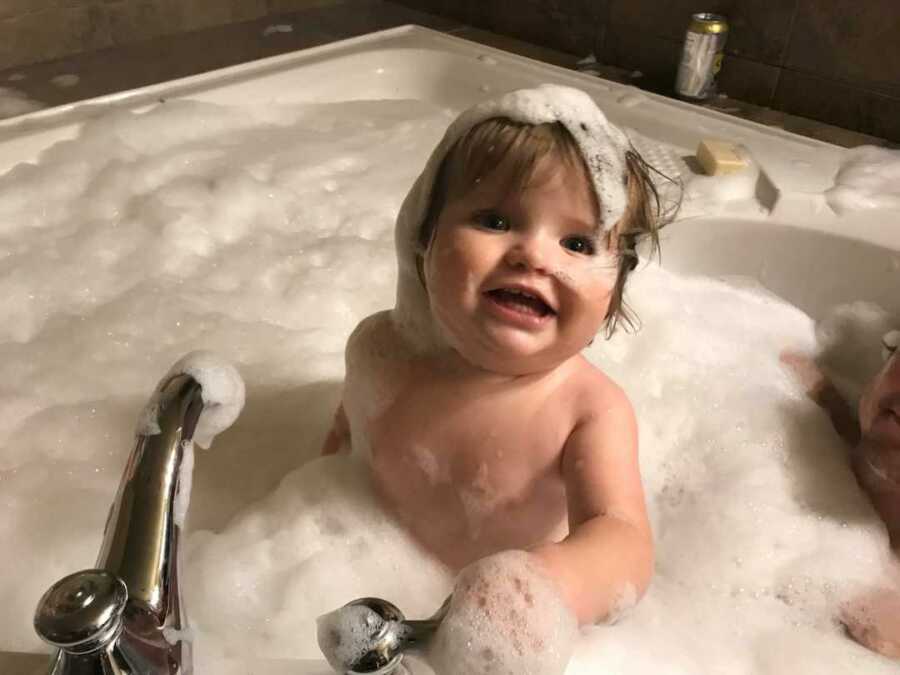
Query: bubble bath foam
x,y
250,212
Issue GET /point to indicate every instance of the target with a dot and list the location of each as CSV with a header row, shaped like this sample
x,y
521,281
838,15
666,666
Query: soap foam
x,y
346,634
265,235
868,178
506,617
222,393
848,341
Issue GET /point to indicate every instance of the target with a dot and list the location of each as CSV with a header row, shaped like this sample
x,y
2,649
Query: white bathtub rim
x,y
799,201
410,33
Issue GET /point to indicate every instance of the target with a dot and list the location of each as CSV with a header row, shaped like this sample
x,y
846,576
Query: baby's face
x,y
879,408
520,280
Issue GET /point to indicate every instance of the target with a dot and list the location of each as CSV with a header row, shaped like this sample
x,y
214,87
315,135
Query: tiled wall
x,y
32,31
837,61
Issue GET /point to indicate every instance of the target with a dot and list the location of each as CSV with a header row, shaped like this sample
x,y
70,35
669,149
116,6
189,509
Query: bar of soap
x,y
719,157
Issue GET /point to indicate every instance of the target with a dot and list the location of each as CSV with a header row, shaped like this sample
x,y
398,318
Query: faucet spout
x,y
142,627
140,543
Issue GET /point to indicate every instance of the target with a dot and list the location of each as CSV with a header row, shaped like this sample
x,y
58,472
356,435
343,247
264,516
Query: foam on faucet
x,y
222,392
345,634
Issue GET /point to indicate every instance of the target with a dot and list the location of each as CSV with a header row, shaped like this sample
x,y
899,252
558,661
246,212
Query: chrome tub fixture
x,y
369,636
126,616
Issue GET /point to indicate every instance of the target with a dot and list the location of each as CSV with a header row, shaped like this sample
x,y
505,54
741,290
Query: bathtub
x,y
780,234
414,62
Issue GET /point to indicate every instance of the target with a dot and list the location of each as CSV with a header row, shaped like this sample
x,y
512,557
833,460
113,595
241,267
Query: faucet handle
x,y
370,635
82,613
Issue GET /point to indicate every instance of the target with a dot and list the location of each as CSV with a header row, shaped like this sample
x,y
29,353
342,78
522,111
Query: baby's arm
x,y
339,433
605,564
517,611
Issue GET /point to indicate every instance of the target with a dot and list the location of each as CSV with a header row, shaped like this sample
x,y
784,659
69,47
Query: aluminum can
x,y
701,57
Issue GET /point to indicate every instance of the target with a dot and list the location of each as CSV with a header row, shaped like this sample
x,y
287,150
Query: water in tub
x,y
265,234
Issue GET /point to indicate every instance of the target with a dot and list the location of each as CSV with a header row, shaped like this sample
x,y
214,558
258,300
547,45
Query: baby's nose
x,y
530,253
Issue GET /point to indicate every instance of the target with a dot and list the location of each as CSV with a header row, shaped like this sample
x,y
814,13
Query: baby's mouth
x,y
520,301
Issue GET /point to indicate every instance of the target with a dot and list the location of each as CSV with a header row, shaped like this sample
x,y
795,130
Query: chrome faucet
x,y
370,636
126,617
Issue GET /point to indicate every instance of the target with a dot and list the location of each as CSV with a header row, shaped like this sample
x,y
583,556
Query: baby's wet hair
x,y
520,148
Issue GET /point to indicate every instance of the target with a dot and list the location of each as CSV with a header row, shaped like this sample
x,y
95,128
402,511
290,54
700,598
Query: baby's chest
x,y
447,433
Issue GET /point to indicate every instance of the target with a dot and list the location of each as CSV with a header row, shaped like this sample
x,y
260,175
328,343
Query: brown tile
x,y
748,80
198,14
350,19
836,103
281,6
857,41
135,20
654,59
13,8
247,10
50,34
95,28
759,29
571,26
461,10
79,3
509,44
167,57
278,6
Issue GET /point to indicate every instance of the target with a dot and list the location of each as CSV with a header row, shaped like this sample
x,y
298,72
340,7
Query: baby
x,y
485,428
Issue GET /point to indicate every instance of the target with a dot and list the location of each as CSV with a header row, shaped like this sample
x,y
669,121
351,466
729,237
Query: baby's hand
x,y
506,616
873,620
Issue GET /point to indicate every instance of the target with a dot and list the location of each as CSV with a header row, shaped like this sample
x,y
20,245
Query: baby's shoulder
x,y
591,389
371,326
377,329
376,340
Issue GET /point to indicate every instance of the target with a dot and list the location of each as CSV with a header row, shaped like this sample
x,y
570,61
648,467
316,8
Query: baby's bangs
x,y
497,142
517,148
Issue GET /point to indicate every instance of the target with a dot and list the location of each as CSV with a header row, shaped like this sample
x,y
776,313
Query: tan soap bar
x,y
718,157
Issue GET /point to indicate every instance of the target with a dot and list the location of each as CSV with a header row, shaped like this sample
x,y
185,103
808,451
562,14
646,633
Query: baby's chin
x,y
516,362
506,351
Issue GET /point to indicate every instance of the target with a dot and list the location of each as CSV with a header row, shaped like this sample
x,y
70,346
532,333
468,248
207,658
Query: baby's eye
x,y
491,220
583,245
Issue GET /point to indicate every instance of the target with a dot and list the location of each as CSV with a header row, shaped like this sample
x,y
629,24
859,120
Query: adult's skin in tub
x,y
874,436
875,619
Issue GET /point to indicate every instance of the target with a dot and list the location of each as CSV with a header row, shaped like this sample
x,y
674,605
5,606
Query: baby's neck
x,y
451,362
